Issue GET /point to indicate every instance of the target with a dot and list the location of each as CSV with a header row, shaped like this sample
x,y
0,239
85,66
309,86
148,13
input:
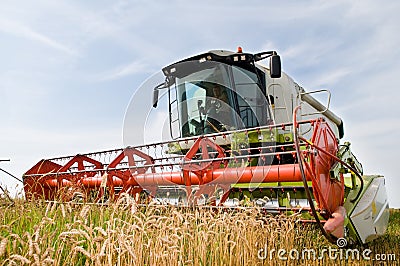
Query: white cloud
x,y
21,30
124,70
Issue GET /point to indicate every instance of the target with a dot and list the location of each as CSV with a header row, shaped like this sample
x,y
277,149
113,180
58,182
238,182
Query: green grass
x,y
39,233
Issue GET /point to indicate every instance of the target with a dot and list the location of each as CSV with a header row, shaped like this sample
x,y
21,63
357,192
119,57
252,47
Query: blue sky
x,y
69,68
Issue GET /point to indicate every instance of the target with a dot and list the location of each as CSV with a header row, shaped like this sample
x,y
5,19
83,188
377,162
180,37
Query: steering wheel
x,y
212,125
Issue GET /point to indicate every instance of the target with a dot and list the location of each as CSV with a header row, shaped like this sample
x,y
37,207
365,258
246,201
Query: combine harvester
x,y
242,134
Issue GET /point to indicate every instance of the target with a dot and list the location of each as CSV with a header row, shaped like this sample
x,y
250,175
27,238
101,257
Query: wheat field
x,y
49,233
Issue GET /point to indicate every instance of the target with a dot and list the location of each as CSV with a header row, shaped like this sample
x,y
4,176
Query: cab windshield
x,y
218,98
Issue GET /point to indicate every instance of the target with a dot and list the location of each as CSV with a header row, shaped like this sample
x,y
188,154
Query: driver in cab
x,y
218,111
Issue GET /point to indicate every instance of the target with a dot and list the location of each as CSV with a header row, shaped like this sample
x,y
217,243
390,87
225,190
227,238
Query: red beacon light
x,y
239,50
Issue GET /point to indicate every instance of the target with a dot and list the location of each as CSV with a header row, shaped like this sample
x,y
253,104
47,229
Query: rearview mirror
x,y
275,66
156,92
155,97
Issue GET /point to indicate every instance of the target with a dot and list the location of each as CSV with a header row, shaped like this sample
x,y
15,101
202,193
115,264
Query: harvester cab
x,y
242,134
217,91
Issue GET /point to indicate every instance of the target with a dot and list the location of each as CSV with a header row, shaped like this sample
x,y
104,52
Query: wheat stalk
x,y
20,258
3,245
